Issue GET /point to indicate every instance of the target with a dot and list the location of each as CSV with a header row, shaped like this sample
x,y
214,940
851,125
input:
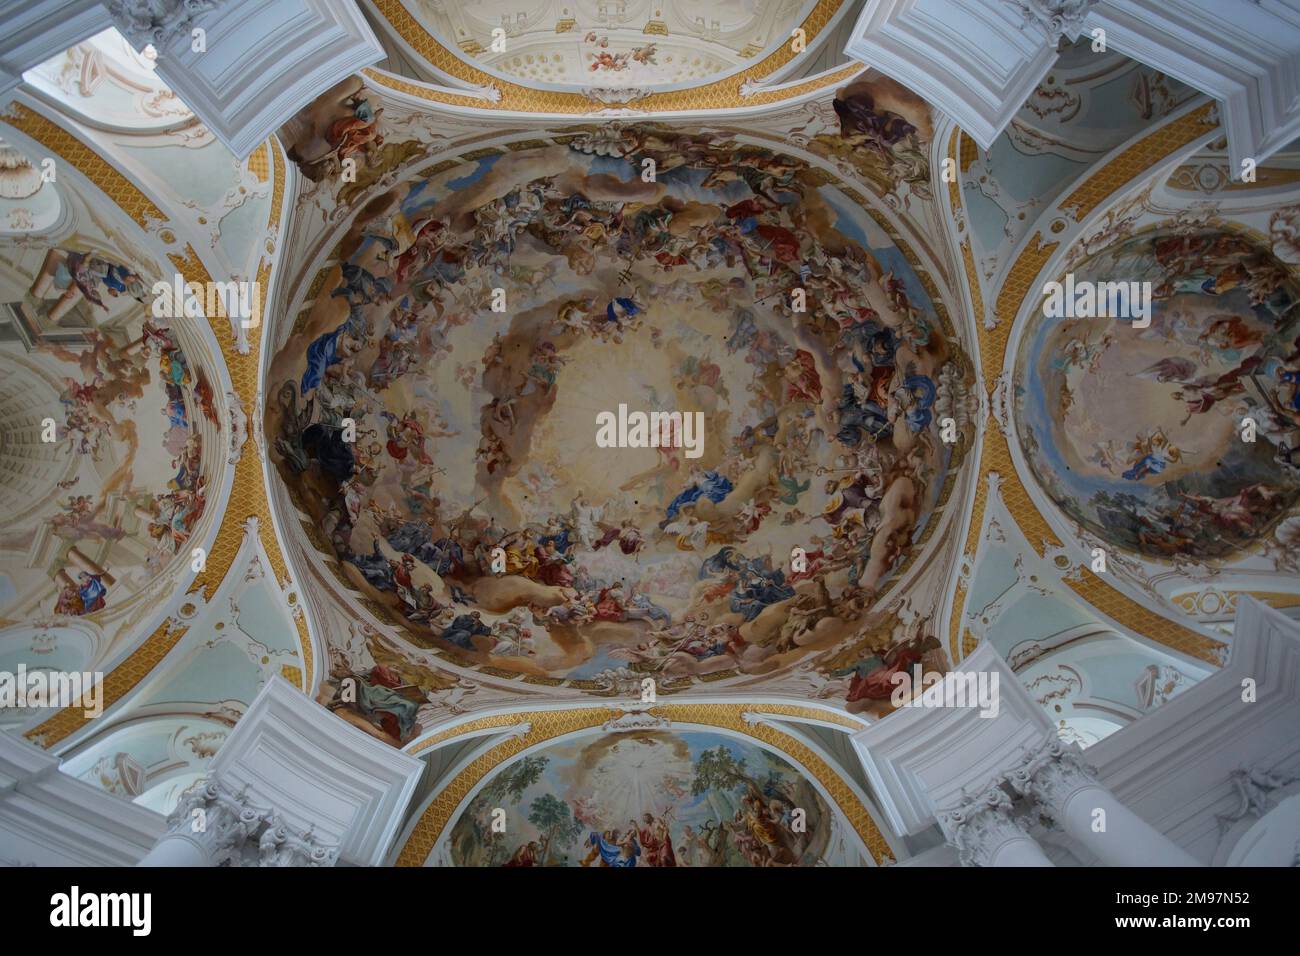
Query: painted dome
x,y
493,328
633,43
1140,435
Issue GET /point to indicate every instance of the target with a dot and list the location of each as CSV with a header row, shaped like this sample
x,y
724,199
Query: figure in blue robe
x,y
92,592
611,854
923,391
324,352
711,485
757,590
374,567
858,420
361,286
1293,377
561,539
1147,465
620,308
445,556
462,630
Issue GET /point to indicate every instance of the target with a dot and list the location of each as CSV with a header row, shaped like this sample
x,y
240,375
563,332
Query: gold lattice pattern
x,y
995,455
259,163
954,187
117,683
969,153
248,493
1138,159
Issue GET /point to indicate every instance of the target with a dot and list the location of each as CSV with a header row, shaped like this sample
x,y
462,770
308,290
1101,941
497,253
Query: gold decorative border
x,y
516,97
954,187
549,724
995,453
248,486
1188,600
118,682
1138,158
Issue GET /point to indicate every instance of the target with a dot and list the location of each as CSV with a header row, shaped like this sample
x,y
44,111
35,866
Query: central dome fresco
x,y
444,409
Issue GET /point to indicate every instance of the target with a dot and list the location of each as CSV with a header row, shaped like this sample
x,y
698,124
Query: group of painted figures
x,y
843,391
1228,339
101,404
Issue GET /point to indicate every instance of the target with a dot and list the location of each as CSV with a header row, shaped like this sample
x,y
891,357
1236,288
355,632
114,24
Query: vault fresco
x,y
645,799
119,482
1137,434
476,430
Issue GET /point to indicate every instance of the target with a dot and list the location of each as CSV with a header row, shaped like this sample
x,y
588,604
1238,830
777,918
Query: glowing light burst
x,y
633,777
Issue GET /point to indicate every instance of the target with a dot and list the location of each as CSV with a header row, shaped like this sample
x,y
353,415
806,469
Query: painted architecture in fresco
x,y
126,435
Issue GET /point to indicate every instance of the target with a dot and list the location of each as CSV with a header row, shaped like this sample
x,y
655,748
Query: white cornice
x,y
979,60
264,61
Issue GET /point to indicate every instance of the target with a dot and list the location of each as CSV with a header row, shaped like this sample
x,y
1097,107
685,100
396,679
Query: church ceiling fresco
x,y
109,443
462,330
650,798
881,130
476,430
637,43
1175,480
692,64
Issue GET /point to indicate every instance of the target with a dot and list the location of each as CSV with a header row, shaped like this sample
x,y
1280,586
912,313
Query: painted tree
x,y
514,781
719,769
510,785
555,821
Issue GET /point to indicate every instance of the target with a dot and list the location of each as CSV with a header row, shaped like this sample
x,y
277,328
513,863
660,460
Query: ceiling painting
x,y
476,429
115,410
563,396
637,43
1178,480
649,798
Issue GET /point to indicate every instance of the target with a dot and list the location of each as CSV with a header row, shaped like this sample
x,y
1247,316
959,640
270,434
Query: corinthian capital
x,y
155,21
217,819
232,830
980,826
279,845
1052,773
1056,18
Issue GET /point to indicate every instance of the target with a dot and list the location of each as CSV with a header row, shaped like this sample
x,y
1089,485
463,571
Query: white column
x,y
215,826
293,785
210,826
1057,778
985,833
175,849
